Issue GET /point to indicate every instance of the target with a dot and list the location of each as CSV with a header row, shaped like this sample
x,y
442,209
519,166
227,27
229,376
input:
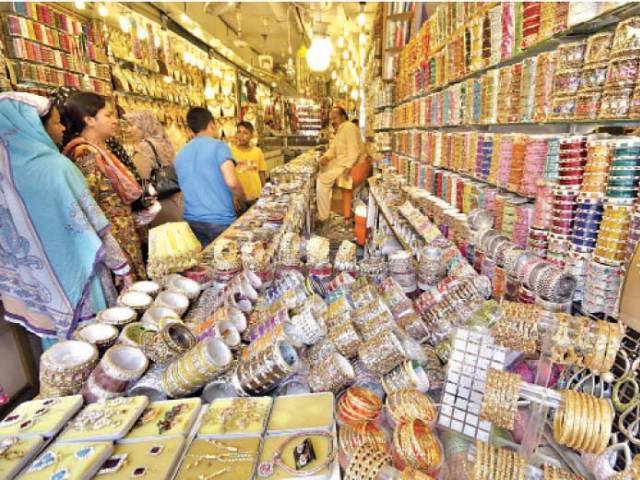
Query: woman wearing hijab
x,y
90,121
56,252
152,151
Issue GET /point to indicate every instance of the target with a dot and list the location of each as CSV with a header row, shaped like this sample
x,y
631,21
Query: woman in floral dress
x,y
89,122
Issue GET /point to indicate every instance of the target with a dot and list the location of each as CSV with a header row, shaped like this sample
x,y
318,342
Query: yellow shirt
x,y
248,165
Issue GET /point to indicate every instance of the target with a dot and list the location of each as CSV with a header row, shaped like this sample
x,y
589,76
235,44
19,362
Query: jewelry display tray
x,y
26,459
194,416
205,410
111,436
335,470
73,409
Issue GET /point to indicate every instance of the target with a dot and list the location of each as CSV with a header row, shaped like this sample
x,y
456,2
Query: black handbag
x,y
164,178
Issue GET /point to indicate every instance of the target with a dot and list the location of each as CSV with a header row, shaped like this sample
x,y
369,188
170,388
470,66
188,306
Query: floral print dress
x,y
117,212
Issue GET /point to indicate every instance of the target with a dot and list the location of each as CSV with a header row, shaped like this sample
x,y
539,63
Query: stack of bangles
x,y
583,422
358,404
358,434
518,327
492,463
208,359
366,463
500,400
406,405
555,473
417,445
613,234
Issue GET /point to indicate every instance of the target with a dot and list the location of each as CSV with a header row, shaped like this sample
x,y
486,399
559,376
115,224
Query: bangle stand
x,y
472,355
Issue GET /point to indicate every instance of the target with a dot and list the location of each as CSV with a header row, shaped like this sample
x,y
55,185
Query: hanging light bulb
x,y
80,4
197,32
334,75
185,18
362,20
345,54
319,53
102,10
125,24
354,94
157,41
362,38
209,93
187,57
143,34
340,42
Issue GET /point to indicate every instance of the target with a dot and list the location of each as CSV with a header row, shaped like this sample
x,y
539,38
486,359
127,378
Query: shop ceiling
x,y
251,29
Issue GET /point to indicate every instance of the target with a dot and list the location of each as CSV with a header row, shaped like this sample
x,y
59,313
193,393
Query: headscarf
x,y
50,225
152,131
121,178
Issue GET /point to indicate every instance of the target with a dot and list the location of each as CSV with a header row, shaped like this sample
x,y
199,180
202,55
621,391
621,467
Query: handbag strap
x,y
155,154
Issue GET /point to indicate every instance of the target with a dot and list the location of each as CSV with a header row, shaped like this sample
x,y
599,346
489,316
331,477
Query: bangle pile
x,y
203,363
583,342
408,375
362,433
555,473
518,327
500,400
169,343
407,405
366,463
417,446
331,374
583,422
269,367
492,463
382,354
65,367
358,404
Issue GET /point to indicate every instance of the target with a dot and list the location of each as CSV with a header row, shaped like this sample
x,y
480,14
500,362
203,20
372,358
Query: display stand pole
x,y
545,398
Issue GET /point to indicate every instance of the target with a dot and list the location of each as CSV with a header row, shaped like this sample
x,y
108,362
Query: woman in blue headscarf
x,y
56,252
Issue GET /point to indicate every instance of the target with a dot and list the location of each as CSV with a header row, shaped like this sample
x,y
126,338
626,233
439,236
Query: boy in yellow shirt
x,y
250,165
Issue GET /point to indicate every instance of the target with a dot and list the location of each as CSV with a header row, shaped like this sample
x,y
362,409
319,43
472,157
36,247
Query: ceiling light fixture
x,y
143,34
362,38
345,54
80,4
157,41
125,24
321,49
197,32
102,10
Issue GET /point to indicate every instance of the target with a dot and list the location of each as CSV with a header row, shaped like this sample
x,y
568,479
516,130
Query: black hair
x,y
356,121
78,106
45,118
198,119
247,125
342,111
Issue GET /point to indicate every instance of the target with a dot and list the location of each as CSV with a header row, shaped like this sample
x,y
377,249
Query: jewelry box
x,y
302,412
228,459
152,460
44,417
68,461
15,453
165,419
235,417
105,420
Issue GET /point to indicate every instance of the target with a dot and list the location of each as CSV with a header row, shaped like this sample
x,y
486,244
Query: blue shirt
x,y
207,197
